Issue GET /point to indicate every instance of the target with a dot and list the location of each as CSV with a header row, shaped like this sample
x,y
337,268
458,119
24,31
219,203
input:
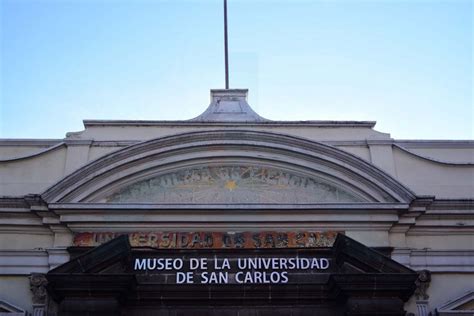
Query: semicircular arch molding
x,y
233,166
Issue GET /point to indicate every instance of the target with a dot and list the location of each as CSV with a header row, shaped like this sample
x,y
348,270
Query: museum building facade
x,y
231,213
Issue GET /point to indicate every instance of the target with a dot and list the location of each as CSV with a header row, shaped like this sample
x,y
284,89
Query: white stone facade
x,y
414,196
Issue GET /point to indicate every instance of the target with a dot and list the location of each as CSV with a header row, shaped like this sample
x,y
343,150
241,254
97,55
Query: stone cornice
x,y
28,214
10,202
452,204
434,143
228,207
29,142
408,144
436,260
440,231
25,262
136,123
117,143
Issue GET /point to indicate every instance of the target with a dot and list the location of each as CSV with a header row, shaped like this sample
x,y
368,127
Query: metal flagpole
x,y
226,47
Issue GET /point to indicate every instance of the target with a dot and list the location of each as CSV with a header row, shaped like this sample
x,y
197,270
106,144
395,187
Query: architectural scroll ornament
x,y
234,184
422,284
38,284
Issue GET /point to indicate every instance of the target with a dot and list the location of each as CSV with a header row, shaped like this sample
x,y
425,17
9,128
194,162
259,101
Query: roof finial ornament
x,y
229,105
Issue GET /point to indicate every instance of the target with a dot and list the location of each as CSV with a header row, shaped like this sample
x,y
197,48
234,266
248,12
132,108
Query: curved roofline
x,y
34,154
443,162
69,188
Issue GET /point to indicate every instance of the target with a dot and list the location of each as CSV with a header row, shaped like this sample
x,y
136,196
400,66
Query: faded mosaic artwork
x,y
213,240
232,184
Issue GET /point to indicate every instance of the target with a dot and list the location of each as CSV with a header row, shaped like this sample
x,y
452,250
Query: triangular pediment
x,y
349,257
115,270
353,256
462,305
102,259
8,309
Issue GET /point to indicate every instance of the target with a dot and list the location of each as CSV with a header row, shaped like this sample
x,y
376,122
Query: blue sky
x,y
406,64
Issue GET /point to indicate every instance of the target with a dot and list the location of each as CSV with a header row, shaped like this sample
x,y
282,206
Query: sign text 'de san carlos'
x,y
233,268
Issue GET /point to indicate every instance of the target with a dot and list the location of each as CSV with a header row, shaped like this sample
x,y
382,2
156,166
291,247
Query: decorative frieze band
x,y
213,240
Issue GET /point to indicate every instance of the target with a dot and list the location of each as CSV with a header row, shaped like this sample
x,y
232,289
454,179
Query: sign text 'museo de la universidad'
x,y
235,270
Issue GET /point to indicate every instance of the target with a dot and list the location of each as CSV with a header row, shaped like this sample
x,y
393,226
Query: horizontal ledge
x,y
25,271
29,142
410,144
228,207
92,123
219,226
172,220
443,268
440,231
439,143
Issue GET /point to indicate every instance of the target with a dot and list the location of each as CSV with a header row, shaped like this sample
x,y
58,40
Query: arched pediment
x,y
244,182
228,167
